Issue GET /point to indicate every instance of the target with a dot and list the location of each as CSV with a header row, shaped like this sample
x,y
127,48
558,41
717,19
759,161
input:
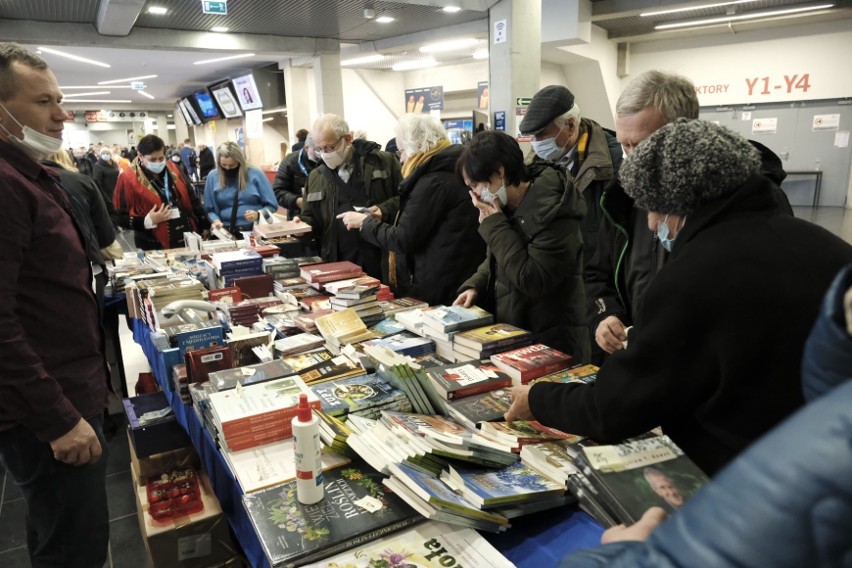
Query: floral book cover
x,y
429,545
356,509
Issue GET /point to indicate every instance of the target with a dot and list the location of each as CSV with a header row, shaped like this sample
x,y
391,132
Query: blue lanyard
x,y
299,161
166,187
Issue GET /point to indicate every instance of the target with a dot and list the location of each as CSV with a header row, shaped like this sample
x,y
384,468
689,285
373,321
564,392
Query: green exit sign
x,y
211,7
523,101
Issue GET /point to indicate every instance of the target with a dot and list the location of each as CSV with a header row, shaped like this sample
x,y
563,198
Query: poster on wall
x,y
826,122
764,126
240,137
425,99
482,95
254,124
841,139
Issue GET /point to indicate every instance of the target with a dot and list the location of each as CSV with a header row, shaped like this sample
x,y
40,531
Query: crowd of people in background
x,y
670,228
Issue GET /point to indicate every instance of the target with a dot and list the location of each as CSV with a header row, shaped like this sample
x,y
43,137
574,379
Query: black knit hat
x,y
546,105
686,163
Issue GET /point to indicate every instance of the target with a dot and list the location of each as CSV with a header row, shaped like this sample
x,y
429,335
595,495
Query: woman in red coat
x,y
158,199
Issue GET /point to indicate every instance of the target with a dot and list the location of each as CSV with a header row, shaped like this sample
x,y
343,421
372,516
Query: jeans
x,y
67,515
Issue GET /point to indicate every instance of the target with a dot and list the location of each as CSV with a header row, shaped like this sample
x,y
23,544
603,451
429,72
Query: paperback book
x,y
531,362
459,380
357,394
490,488
455,318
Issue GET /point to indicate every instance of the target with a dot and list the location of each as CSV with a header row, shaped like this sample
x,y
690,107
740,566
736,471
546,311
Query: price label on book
x,y
614,458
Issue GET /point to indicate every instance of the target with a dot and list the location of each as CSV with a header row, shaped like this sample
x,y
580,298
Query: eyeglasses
x,y
330,149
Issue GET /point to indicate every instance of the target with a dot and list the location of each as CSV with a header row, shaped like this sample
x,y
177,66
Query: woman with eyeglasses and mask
x,y
236,194
530,218
158,199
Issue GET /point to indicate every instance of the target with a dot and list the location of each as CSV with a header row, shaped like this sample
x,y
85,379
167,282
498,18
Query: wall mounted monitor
x,y
183,114
226,100
247,93
205,103
189,105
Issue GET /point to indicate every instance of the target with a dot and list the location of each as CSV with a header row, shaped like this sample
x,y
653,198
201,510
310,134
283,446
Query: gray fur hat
x,y
684,164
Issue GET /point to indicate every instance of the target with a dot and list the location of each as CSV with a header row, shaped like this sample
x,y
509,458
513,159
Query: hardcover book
x,y
201,362
387,327
337,368
405,343
198,336
486,407
459,380
242,346
330,271
309,360
582,374
531,362
354,394
357,291
334,286
282,229
231,295
298,343
248,375
356,509
455,318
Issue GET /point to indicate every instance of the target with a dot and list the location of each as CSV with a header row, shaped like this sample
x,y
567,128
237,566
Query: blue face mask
x,y
663,235
547,149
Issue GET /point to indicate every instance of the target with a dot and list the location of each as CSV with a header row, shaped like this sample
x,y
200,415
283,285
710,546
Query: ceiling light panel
x,y
157,10
228,58
415,64
128,80
694,8
449,45
73,57
742,17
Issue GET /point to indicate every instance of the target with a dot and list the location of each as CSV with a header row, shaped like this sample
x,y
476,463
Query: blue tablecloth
x,y
534,541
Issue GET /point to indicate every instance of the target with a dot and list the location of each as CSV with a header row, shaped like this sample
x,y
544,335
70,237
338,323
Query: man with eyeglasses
x,y
355,176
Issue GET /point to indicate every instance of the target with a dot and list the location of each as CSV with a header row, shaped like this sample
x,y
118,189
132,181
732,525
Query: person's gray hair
x,y
309,141
685,164
336,124
573,112
650,472
232,150
672,95
14,53
418,132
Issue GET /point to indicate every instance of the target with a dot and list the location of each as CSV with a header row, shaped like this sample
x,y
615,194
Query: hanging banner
x,y
425,99
482,95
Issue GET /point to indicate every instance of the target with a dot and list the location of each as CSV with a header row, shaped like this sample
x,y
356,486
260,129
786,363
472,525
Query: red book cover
x,y
221,294
259,286
201,362
531,362
251,441
331,271
260,422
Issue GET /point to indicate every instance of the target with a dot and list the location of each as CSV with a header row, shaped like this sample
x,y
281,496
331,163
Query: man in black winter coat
x,y
292,175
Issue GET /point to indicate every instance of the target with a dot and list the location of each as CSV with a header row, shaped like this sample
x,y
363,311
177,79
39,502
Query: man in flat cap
x,y
586,150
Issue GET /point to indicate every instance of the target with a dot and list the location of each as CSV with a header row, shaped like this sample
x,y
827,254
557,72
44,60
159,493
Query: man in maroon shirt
x,y
53,386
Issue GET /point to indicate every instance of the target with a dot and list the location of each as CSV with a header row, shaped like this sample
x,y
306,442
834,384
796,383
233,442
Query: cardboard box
x,y
198,540
155,465
154,438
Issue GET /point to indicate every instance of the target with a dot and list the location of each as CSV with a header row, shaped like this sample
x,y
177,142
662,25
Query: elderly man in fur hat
x,y
716,356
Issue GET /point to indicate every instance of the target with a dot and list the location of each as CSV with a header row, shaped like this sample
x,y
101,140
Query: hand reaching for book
x,y
610,334
466,298
640,530
78,446
520,409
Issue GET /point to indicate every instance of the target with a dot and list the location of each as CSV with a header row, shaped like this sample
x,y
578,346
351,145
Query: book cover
x,y
259,403
298,343
259,286
523,432
641,474
231,295
335,285
531,362
330,271
342,396
486,407
282,229
242,345
248,375
337,368
307,361
582,374
236,259
455,318
491,336
201,362
459,380
405,343
315,303
356,509
199,338
387,327
488,488
357,291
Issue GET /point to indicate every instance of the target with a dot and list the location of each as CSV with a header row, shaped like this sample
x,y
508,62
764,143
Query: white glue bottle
x,y
306,439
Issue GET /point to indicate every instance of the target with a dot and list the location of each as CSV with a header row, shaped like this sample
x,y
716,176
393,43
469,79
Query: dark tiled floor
x,y
126,546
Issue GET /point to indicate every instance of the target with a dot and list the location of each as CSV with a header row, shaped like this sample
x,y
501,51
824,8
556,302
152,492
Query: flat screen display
x,y
226,100
247,93
206,105
190,110
185,115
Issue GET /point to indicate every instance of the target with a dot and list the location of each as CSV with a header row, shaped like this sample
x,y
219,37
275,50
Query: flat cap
x,y
547,104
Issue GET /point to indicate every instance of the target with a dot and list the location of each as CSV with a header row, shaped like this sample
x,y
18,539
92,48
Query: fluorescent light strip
x,y
385,19
100,101
268,119
128,80
219,29
274,110
693,8
92,87
449,45
241,56
74,57
741,17
90,94
416,64
365,59
451,9
158,10
144,94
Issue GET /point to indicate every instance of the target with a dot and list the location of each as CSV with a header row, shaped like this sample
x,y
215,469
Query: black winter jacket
x,y
715,357
533,275
105,175
290,180
436,230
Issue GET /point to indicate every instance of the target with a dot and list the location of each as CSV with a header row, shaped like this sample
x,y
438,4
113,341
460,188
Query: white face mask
x,y
547,149
332,159
489,197
36,145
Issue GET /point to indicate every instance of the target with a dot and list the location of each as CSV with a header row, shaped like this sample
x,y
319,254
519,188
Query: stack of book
x,y
330,272
236,264
364,395
443,323
195,335
359,297
391,307
282,229
512,485
399,371
342,328
295,293
281,268
299,343
412,320
271,464
248,375
554,459
618,483
460,380
307,321
483,342
229,295
247,312
356,509
334,433
522,433
180,379
404,343
257,414
338,367
531,362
